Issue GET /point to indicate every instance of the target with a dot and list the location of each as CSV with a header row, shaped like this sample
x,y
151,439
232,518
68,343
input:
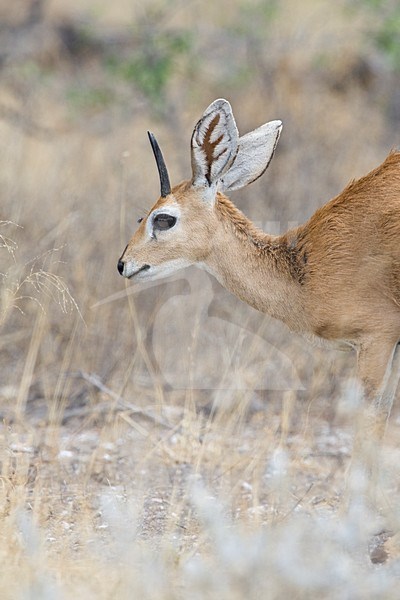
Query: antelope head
x,y
180,228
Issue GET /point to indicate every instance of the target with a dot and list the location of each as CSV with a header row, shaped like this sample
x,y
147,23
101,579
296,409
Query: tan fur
x,y
336,277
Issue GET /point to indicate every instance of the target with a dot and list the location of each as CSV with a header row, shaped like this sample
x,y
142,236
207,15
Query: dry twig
x,y
96,382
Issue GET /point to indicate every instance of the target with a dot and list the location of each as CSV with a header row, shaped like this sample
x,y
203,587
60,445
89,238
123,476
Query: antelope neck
x,y
260,269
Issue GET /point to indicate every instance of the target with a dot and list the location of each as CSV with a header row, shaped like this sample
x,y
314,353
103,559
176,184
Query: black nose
x,y
120,267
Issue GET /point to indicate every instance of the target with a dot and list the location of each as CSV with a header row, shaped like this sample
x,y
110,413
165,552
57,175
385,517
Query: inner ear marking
x,y
213,145
209,146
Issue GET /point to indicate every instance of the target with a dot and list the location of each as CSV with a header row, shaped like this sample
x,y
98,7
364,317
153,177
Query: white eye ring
x,y
170,212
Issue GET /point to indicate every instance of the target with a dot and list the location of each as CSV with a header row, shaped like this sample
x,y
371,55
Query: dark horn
x,y
162,168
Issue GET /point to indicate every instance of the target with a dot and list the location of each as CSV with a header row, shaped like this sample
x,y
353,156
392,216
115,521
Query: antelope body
x,y
337,277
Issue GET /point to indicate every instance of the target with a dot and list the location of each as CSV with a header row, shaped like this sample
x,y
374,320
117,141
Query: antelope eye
x,y
140,220
163,221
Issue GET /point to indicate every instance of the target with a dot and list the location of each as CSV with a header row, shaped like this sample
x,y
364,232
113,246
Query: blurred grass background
x,y
98,451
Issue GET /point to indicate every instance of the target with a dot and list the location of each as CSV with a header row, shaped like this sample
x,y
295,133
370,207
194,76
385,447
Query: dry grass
x,y
207,459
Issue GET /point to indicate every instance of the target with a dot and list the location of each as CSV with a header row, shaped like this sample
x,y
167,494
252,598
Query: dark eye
x,y
163,221
140,220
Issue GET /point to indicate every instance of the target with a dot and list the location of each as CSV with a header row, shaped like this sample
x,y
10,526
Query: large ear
x,y
214,144
254,155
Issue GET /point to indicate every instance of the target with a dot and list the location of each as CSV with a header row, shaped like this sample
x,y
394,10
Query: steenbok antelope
x,y
336,277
